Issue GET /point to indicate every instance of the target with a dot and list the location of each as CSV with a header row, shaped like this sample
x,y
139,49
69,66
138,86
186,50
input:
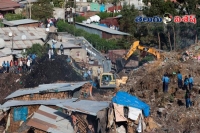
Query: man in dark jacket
x,y
180,80
61,49
187,99
191,81
186,83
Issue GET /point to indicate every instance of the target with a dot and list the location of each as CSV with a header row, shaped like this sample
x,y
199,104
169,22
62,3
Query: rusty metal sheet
x,y
46,114
34,122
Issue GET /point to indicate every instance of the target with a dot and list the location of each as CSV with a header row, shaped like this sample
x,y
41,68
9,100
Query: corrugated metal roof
x,y
13,103
101,28
8,4
66,45
22,44
33,35
30,33
19,22
25,2
60,124
85,106
57,87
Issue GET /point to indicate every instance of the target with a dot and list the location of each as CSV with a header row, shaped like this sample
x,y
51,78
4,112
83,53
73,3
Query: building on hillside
x,y
8,6
114,9
21,23
103,32
137,3
22,38
111,21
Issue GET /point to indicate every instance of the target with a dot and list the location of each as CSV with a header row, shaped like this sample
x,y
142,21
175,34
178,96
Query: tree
x,y
42,10
37,49
127,23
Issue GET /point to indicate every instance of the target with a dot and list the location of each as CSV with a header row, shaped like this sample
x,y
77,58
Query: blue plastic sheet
x,y
125,99
20,114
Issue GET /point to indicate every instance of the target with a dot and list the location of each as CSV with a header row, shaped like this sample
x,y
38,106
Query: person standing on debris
x,y
33,56
24,65
187,98
61,49
186,83
49,53
180,80
163,80
8,66
52,54
11,66
89,73
4,66
53,45
20,65
166,82
28,65
191,81
99,71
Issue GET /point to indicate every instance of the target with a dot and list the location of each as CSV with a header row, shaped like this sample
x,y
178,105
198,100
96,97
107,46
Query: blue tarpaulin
x,y
93,83
20,114
125,99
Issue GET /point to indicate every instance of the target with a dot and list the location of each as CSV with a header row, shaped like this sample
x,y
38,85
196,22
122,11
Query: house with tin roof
x,y
8,6
21,23
102,31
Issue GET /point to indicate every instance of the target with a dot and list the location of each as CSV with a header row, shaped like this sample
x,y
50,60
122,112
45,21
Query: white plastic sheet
x,y
133,113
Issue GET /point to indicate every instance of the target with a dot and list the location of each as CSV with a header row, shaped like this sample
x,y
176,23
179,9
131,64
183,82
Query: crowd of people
x,y
186,84
19,66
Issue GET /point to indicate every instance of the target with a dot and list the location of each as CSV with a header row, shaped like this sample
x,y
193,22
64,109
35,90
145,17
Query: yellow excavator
x,y
120,63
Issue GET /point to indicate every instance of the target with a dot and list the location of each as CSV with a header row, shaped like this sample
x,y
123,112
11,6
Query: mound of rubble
x,y
168,110
8,83
46,71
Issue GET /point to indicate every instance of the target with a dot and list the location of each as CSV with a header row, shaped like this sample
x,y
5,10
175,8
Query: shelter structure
x,y
21,23
103,32
8,6
47,91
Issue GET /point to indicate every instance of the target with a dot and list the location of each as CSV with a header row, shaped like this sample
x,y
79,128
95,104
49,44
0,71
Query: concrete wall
x,y
6,58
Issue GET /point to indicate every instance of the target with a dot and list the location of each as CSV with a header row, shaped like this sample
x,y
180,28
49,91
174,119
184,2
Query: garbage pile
x,y
47,71
167,110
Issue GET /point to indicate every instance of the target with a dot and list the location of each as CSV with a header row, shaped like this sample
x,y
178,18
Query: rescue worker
x,y
4,65
187,98
61,49
191,81
186,83
163,80
8,66
33,56
166,83
180,80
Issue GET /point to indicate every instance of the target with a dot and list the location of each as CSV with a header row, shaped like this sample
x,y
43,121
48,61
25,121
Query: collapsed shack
x,y
129,114
18,112
86,114
47,91
46,119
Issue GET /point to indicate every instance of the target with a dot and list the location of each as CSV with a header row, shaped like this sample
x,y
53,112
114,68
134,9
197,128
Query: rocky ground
x,y
168,110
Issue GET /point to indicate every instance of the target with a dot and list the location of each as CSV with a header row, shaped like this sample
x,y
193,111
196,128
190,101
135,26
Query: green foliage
x,y
10,16
146,59
95,40
58,3
42,10
37,49
80,19
104,15
127,23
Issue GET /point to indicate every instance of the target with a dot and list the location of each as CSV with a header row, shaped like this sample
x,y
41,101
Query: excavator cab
x,y
107,80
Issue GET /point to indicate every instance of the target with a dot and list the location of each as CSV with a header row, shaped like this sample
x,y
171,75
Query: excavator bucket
x,y
120,63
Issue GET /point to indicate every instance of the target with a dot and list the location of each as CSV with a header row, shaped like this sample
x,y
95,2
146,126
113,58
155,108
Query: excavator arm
x,y
120,63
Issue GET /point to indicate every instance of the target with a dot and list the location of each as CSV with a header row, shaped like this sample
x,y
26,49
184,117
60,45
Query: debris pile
x,y
47,71
168,110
